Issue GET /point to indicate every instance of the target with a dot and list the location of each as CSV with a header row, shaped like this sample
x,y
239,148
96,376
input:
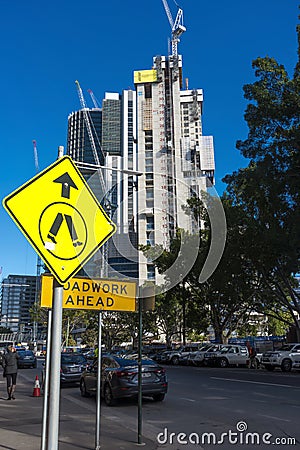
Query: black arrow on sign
x,y
66,183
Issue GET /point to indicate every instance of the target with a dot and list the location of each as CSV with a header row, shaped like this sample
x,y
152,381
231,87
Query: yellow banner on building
x,y
145,76
92,294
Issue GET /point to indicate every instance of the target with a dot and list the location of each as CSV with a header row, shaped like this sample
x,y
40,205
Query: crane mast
x,y
36,159
90,134
93,98
177,26
38,261
104,253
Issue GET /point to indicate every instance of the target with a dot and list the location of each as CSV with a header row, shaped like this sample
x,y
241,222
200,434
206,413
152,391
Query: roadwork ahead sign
x,y
92,294
60,216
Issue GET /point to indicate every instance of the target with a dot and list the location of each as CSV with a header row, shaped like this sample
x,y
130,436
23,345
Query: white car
x,y
285,357
179,356
197,358
228,355
295,360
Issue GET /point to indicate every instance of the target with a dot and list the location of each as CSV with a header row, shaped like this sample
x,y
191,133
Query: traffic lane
x,y
217,399
213,399
203,400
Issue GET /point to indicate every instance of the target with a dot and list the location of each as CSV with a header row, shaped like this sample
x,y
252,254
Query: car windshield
x,y
133,362
25,353
204,348
73,359
225,349
286,348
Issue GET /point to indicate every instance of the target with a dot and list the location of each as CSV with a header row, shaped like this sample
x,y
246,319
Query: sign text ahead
x,y
95,294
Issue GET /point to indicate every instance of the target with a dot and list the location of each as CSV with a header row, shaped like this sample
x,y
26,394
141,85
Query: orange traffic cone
x,y
37,388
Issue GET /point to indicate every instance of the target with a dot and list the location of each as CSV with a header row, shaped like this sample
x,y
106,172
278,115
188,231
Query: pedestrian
x,y
10,366
253,361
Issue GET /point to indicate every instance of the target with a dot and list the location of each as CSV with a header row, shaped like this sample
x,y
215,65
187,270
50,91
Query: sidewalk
x,y
21,424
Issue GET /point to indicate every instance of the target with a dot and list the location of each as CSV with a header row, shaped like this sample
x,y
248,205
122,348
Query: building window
x,y
150,223
150,272
148,90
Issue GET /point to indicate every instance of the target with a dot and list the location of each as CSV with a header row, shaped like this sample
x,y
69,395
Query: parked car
x,y
119,379
72,366
179,356
230,355
26,359
158,356
197,358
209,356
295,360
282,357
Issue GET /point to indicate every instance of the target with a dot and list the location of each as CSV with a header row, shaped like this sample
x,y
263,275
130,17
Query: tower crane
x,y
38,261
36,159
90,134
95,101
177,26
88,121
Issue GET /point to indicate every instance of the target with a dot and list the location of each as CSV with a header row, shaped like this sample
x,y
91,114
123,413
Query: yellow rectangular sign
x,y
145,76
92,294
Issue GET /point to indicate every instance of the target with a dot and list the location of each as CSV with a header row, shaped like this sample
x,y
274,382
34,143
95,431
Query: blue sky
x,y
46,46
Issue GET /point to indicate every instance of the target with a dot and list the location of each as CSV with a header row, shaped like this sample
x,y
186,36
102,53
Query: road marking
x,y
187,399
273,417
255,382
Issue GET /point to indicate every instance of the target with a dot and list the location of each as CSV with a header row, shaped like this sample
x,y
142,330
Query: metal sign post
x,y
45,383
55,357
98,412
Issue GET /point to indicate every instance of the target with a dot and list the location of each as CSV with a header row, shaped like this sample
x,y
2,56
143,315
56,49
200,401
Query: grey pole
x,y
55,357
46,383
98,412
54,397
140,419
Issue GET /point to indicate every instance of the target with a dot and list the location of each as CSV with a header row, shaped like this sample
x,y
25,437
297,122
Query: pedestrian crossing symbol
x,y
61,217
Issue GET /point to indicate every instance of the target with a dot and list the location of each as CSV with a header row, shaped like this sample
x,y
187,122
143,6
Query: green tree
x,y
226,299
267,190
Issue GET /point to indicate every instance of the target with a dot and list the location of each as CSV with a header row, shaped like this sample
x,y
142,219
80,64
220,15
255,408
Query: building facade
x,y
79,145
178,161
116,149
155,130
18,295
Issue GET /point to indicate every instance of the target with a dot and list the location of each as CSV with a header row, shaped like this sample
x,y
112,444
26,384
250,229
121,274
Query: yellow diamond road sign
x,y
60,216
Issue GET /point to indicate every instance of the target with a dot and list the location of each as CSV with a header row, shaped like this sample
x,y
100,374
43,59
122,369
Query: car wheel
x,y
158,397
270,368
286,365
223,362
108,397
175,360
83,391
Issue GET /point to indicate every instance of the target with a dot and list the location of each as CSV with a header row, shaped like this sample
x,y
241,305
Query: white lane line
x,y
187,399
273,417
255,382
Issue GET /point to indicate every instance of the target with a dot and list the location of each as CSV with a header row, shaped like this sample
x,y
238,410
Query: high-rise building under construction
x,y
178,161
157,131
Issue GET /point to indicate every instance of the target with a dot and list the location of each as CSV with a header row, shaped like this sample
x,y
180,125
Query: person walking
x,y
10,365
